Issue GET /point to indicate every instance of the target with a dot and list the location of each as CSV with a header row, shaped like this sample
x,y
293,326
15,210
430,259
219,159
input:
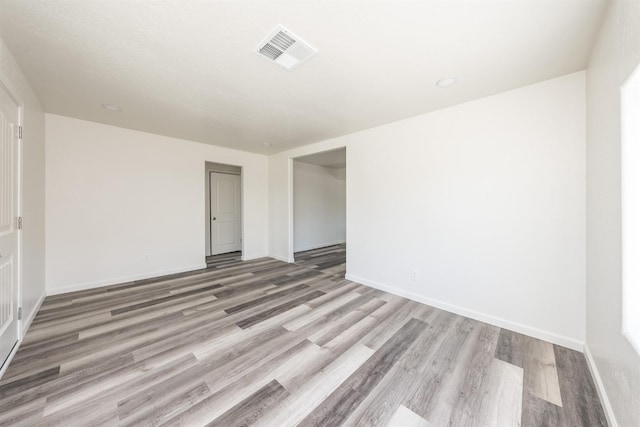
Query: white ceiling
x,y
185,68
336,159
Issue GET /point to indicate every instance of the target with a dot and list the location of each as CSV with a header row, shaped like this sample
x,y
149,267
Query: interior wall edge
x,y
9,358
24,328
319,245
255,256
124,279
531,331
32,315
281,258
602,391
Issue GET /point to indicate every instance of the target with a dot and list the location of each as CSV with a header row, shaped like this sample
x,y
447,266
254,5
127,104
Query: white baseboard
x,y
482,317
602,392
124,279
27,322
252,257
9,358
281,258
24,326
318,246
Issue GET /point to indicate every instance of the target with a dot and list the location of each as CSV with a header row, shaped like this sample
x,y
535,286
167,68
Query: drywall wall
x,y
617,365
123,204
486,204
33,170
319,206
281,207
208,168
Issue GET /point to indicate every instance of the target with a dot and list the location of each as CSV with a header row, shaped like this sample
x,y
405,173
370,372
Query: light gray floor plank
x,y
405,417
501,396
314,392
540,372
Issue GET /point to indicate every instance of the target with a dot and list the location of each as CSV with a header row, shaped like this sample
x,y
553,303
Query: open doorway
x,y
319,211
223,213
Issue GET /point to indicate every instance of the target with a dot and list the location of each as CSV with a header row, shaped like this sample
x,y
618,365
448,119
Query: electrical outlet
x,y
147,258
414,275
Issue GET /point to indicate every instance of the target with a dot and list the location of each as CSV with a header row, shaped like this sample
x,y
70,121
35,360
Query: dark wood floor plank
x,y
580,403
511,347
538,412
250,409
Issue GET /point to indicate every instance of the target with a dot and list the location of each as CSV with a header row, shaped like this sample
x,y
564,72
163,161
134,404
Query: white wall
x,y
114,195
33,233
319,206
487,205
617,364
281,207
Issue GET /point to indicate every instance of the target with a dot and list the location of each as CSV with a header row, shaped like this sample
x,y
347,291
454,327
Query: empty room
x,y
402,213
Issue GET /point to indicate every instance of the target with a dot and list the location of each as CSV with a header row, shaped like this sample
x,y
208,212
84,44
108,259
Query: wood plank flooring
x,y
265,343
218,261
330,260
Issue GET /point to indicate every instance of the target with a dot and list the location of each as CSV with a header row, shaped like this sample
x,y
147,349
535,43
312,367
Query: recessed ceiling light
x,y
111,107
446,82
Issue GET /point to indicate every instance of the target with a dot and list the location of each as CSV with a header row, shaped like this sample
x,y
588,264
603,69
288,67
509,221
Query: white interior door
x,y
9,249
226,231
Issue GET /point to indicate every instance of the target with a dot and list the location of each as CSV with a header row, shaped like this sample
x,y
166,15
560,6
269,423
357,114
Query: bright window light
x,y
630,109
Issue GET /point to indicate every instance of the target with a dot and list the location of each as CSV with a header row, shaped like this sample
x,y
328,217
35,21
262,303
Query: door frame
x,y
290,202
237,216
6,86
233,170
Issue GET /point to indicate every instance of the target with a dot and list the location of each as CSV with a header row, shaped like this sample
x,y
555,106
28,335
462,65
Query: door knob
x,y
213,219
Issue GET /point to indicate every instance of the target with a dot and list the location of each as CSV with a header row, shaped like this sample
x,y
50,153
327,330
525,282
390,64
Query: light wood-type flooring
x,y
330,260
265,343
222,260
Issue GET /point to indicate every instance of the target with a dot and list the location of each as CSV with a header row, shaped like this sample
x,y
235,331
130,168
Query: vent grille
x,y
270,51
282,40
285,48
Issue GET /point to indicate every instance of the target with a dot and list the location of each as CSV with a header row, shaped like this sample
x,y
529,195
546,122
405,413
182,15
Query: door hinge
x,y
19,223
19,132
19,313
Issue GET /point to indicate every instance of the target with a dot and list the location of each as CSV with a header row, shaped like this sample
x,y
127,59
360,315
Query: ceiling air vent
x,y
285,48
